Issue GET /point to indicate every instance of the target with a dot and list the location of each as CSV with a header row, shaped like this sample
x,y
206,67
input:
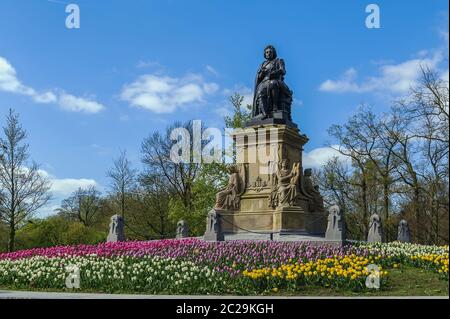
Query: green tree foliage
x,y
57,230
241,113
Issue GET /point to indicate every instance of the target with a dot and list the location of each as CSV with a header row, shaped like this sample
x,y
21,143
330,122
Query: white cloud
x,y
9,82
210,88
61,188
394,78
211,70
318,157
164,94
72,103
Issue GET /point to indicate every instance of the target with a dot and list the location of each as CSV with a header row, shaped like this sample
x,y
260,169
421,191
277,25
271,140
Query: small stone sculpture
x,y
182,229
336,225
116,229
213,227
376,234
404,234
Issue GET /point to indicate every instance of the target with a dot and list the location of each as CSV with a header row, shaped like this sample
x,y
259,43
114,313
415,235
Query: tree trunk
x,y
418,215
12,238
365,207
386,210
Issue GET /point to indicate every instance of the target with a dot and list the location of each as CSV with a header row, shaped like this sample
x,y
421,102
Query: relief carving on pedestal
x,y
285,185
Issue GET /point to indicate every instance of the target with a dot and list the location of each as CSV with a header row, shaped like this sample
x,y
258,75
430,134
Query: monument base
x,y
282,221
278,117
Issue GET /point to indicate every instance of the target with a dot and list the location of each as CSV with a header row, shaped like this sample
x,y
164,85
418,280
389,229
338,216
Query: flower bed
x,y
192,266
421,256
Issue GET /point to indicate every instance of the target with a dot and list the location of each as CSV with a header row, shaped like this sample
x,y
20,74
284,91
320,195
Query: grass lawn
x,y
406,281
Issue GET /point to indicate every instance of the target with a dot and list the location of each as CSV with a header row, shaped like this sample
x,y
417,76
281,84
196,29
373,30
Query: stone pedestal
x,y
259,152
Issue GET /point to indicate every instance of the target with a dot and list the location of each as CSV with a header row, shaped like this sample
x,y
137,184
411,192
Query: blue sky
x,y
134,67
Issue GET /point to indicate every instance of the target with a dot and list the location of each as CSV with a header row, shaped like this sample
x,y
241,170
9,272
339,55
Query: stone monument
x,y
269,191
376,233
182,229
116,229
336,225
404,234
213,227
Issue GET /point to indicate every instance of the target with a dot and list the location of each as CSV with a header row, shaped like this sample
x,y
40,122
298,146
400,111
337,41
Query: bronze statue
x,y
271,95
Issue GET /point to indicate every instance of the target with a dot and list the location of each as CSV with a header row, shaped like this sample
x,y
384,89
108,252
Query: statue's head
x,y
403,224
269,52
334,210
375,218
284,164
232,169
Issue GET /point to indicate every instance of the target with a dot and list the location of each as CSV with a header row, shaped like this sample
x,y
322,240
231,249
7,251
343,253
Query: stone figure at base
x,y
228,198
312,192
182,229
213,227
284,190
376,234
116,229
404,234
336,225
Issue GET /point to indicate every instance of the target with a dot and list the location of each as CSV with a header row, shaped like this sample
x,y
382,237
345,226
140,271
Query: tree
x,y
154,200
123,178
353,145
25,189
239,117
419,126
83,206
399,163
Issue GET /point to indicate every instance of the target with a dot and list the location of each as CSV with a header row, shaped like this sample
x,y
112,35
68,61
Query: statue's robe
x,y
270,76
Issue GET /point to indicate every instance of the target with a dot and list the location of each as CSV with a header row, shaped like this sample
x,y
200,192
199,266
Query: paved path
x,y
11,294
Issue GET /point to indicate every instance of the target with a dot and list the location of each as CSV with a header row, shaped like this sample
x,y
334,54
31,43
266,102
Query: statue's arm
x,y
260,74
280,69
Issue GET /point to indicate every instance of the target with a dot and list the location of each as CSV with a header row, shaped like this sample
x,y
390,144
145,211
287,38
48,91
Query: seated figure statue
x,y
271,94
228,198
312,192
284,190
